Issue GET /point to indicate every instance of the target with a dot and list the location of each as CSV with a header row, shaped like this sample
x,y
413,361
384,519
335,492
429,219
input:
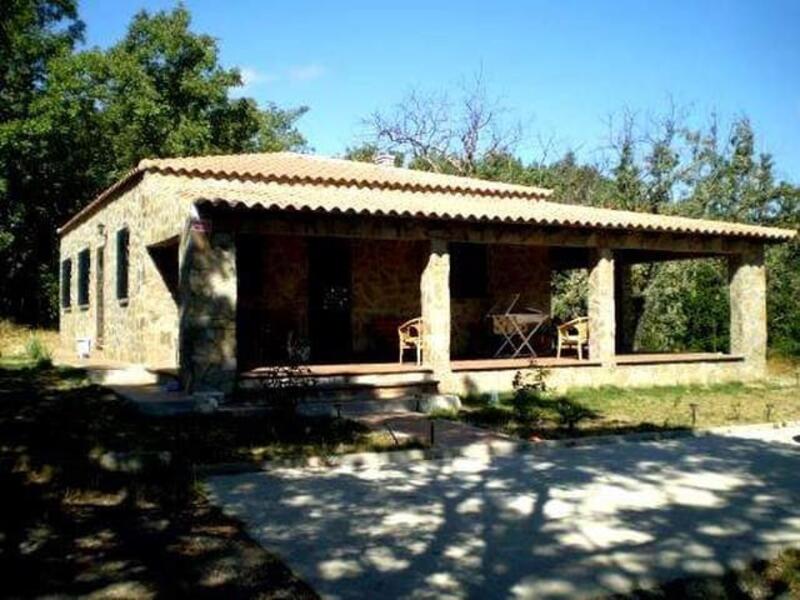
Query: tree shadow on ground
x,y
74,522
557,522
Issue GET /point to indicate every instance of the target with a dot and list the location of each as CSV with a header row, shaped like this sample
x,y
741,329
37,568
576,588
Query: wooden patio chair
x,y
573,334
410,337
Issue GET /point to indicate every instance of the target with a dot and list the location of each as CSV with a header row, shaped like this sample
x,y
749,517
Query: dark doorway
x,y
329,300
165,257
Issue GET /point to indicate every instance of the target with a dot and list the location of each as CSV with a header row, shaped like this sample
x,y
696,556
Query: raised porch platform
x,y
360,370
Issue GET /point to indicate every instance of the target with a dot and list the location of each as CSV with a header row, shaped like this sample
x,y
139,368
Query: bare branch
x,y
440,135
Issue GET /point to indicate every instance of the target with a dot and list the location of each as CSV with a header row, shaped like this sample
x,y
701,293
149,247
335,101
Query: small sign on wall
x,y
201,225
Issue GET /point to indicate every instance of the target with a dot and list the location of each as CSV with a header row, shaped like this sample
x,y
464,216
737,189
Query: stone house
x,y
219,267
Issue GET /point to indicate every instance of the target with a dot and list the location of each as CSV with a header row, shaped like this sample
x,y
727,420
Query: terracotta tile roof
x,y
290,167
469,207
289,181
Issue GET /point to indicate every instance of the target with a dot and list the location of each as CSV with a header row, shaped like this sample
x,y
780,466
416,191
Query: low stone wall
x,y
594,375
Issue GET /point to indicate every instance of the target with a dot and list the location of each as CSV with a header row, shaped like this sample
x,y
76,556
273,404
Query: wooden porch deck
x,y
489,364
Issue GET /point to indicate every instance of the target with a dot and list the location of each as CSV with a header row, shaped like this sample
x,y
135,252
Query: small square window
x,y
66,283
468,271
123,242
84,262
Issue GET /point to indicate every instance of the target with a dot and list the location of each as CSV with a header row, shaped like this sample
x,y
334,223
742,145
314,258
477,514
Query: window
x,y
468,270
123,238
84,260
66,283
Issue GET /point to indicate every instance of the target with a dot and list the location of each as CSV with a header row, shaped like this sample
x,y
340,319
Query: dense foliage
x,y
658,165
72,121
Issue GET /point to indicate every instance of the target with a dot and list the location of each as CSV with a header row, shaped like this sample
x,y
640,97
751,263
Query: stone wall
x,y
273,298
144,327
208,292
386,292
593,375
511,269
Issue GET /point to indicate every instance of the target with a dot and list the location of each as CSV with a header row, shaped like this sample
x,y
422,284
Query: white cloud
x,y
307,72
252,77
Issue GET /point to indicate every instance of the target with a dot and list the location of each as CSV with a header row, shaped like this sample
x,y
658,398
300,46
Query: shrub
x,y
38,352
527,399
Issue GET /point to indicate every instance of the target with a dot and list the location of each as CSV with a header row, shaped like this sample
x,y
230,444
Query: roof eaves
x,y
101,200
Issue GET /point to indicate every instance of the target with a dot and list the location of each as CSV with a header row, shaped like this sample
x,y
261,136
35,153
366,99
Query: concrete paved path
x,y
448,435
554,523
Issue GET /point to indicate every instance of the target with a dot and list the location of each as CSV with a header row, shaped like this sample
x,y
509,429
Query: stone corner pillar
x,y
602,312
747,283
435,301
208,296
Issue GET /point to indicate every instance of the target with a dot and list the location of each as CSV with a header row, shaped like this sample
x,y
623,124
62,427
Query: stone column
x,y
208,288
602,329
625,307
435,299
747,283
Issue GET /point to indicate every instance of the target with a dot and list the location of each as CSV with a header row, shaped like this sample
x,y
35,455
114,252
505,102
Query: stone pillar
x,y
602,329
748,296
208,287
625,307
435,299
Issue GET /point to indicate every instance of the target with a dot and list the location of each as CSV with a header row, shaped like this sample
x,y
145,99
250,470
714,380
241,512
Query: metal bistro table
x,y
517,326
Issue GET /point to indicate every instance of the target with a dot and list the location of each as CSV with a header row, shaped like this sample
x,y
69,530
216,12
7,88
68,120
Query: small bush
x,y
527,399
38,352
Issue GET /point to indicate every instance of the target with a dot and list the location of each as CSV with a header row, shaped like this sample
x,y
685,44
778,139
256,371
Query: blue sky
x,y
560,67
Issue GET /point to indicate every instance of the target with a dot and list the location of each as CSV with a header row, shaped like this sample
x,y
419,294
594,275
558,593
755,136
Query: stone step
x,y
266,379
329,395
130,375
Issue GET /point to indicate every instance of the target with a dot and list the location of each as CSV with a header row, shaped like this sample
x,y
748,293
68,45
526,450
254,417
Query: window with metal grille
x,y
84,261
123,239
66,283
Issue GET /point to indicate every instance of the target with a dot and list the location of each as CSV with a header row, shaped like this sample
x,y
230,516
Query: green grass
x,y
763,579
604,410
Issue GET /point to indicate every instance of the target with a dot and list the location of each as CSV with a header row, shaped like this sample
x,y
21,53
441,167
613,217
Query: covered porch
x,y
327,292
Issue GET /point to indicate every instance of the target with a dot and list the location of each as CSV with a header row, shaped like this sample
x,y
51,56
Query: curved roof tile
x,y
291,181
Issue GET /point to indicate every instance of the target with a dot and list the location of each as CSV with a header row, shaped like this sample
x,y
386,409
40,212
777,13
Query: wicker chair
x,y
573,334
410,337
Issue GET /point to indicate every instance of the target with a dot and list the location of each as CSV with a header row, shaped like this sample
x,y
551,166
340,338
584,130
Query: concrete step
x,y
255,381
397,392
131,375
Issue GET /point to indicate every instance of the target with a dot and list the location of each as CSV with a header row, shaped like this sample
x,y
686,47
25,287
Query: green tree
x,y
90,116
32,34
